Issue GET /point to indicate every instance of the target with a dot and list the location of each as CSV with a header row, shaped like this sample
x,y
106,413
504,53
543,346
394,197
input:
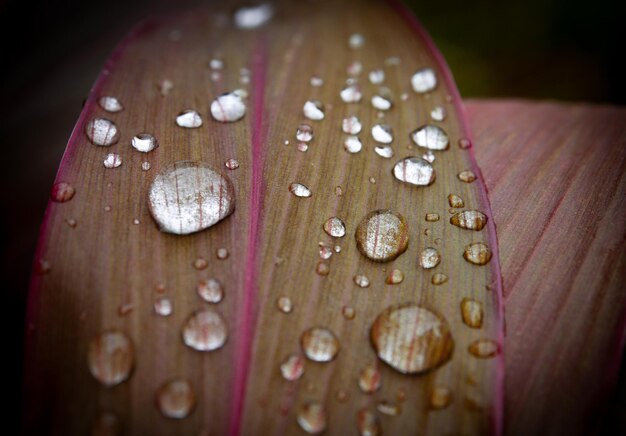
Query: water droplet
x,y
222,253
439,279
432,217
477,253
163,306
351,125
176,399
335,227
317,81
299,190
311,418
112,160
200,263
465,143
337,249
415,171
144,142
429,156
370,379
393,61
483,348
382,133
232,164
469,219
302,147
205,330
62,192
304,133
228,108
338,191
107,208
429,258
292,367
352,144
103,132
355,68
389,409
394,277
43,266
342,396
254,16
189,119
125,309
382,235
187,196
325,252
431,137
322,268
424,80
438,113
467,176
455,201
71,222
284,304
348,312
313,110
377,77
356,40
440,397
210,290
472,313
411,338
216,64
381,103
367,423
385,151
351,94
145,166
165,86
319,344
361,281
111,358
110,104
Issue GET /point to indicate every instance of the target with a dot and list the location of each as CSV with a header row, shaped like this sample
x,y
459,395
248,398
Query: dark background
x,y
52,52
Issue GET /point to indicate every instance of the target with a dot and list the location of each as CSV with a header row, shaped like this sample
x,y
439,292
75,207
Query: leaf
x,y
107,271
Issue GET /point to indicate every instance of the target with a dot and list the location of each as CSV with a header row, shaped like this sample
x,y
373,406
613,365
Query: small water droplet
x,y
472,313
216,64
432,217
335,227
322,268
429,258
348,312
467,176
325,252
292,367
144,142
465,143
404,96
394,277
189,119
43,267
382,235
483,348
231,164
71,222
439,279
477,253
176,399
125,309
145,166
415,171
205,330
103,132
370,379
367,423
352,144
110,104
469,219
254,16
163,306
337,249
429,156
351,125
313,110
381,103
304,133
377,77
351,94
311,418
389,409
302,147
210,290
136,221
438,113
222,253
455,201
200,263
284,304
319,344
165,86
384,152
356,40
338,191
382,133
393,61
107,208
317,81
189,196
342,396
111,358
361,281
112,160
424,80
440,397
62,192
411,338
299,190
228,108
430,137
355,68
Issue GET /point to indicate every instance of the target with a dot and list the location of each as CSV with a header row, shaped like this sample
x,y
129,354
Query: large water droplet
x,y
440,397
205,330
311,418
370,379
110,104
472,313
299,190
429,258
292,367
144,142
176,399
62,192
411,338
352,144
415,171
351,125
335,227
477,253
189,119
483,348
351,94
111,358
382,133
112,160
228,108
210,290
368,423
469,219
382,235
101,131
430,137
424,80
189,196
313,110
319,344
253,16
304,133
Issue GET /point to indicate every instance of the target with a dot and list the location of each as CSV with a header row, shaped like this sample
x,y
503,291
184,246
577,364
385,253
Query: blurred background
x,y
53,51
